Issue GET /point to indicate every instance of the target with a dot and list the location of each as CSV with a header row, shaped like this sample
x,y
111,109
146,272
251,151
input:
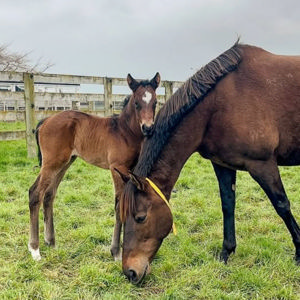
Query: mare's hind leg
x,y
227,179
267,175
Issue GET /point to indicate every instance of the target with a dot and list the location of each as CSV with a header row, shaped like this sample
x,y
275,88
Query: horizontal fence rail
x,y
36,96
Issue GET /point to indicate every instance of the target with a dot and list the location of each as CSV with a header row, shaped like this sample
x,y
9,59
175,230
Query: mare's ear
x,y
155,81
138,181
124,177
132,83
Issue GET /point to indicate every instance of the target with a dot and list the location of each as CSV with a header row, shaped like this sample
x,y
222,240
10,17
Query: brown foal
x,y
108,143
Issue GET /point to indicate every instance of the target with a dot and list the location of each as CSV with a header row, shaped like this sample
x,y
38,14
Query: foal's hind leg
x,y
267,175
40,189
49,233
227,179
34,207
44,190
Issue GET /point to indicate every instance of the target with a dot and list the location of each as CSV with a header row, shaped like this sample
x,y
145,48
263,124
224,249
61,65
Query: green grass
x,y
185,267
11,126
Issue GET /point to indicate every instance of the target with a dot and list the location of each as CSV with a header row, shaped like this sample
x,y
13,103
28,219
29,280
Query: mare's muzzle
x,y
134,277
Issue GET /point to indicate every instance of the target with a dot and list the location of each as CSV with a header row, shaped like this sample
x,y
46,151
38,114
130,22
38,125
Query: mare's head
x,y
147,221
144,98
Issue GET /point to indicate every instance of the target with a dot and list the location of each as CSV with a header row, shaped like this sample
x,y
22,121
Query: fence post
x,y
29,114
92,106
107,82
168,89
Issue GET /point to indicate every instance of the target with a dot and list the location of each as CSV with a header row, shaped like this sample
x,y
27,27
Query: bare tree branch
x,y
20,62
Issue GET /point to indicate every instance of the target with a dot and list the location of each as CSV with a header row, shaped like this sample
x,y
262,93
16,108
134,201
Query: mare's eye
x,y
154,104
137,106
140,219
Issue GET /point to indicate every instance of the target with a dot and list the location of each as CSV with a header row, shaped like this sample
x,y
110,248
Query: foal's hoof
x,y
35,253
50,243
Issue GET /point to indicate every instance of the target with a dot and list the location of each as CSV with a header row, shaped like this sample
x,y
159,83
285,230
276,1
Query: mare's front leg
x,y
119,186
227,178
267,175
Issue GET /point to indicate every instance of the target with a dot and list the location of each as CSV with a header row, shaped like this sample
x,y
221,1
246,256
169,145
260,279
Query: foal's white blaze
x,y
147,97
35,253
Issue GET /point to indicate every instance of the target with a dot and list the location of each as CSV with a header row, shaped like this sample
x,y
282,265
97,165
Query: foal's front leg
x,y
115,244
227,178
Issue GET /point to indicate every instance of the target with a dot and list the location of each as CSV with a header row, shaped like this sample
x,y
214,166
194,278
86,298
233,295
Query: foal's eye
x,y
137,106
140,219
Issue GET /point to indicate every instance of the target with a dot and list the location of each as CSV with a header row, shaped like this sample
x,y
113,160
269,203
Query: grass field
x,y
185,267
8,126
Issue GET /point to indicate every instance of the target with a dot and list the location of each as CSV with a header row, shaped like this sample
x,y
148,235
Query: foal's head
x,y
147,221
144,98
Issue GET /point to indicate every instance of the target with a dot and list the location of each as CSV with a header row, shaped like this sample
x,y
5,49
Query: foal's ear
x,y
155,81
138,181
132,83
124,177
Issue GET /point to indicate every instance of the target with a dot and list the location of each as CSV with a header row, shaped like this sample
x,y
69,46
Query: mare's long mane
x,y
191,93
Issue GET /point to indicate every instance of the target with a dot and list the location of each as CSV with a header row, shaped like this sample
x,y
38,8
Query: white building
x,y
52,104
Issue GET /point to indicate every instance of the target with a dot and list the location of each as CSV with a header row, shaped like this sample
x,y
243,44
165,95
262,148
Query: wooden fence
x,y
31,105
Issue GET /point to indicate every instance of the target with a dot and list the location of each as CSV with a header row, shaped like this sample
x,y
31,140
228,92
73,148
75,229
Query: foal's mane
x,y
192,92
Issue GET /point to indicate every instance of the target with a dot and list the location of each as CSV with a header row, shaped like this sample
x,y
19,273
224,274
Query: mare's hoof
x,y
224,256
225,253
297,259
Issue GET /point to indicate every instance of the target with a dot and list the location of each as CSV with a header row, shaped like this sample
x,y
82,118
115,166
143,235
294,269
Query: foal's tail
x,y
37,140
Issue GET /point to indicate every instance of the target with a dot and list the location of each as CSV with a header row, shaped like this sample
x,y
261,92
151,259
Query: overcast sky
x,y
116,37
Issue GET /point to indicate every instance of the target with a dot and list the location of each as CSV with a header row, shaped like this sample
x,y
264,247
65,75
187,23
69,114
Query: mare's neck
x,y
181,145
167,170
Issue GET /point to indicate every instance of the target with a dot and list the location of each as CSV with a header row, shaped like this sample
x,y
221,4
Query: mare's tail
x,y
37,140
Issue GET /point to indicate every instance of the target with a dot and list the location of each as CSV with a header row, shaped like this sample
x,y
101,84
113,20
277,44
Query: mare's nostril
x,y
132,276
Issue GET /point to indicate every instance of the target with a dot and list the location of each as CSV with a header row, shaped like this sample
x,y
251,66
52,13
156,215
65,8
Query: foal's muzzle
x,y
147,130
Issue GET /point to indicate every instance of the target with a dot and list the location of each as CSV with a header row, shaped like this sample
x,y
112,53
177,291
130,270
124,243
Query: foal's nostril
x,y
132,276
147,130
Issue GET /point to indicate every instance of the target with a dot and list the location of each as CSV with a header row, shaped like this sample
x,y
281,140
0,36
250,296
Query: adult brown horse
x,y
241,111
108,143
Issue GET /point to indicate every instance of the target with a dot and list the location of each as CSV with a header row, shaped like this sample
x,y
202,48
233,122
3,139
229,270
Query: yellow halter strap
x,y
162,196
